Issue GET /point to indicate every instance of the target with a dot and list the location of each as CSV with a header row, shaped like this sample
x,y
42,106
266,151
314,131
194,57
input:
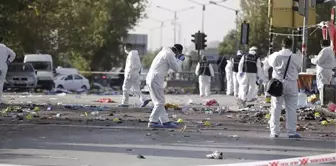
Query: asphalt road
x,y
24,98
106,146
73,139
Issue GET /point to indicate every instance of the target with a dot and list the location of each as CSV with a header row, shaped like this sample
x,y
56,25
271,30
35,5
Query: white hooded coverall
x,y
229,77
132,77
6,54
236,76
204,80
278,60
265,70
163,61
325,62
247,85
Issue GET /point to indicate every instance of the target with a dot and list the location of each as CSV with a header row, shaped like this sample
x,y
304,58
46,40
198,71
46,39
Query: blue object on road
x,y
144,104
170,125
155,125
295,136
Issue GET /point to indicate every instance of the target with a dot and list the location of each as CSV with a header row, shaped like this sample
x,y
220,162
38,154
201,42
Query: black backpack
x,y
274,86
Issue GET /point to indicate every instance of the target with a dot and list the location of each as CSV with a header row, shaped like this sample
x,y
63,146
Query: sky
x,y
218,21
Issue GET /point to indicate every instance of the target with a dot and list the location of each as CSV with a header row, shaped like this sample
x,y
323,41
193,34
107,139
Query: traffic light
x,y
197,39
203,41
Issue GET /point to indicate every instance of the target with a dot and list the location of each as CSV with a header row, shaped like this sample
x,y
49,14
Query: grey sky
x,y
218,21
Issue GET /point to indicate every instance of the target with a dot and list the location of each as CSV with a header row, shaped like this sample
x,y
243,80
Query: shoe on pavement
x,y
170,125
155,125
144,104
297,135
215,155
123,105
274,135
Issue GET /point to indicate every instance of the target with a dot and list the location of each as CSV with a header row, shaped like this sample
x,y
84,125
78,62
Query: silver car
x,y
21,75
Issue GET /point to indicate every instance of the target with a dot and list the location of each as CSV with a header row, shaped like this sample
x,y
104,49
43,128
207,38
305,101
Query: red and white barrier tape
x,y
325,158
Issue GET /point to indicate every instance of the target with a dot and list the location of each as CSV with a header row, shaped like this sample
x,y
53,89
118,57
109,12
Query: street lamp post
x,y
175,16
162,23
236,12
203,10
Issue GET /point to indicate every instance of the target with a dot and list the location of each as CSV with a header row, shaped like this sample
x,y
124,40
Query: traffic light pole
x,y
305,36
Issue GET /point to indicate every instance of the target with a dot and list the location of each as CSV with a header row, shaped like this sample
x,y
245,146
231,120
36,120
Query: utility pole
x,y
305,35
175,18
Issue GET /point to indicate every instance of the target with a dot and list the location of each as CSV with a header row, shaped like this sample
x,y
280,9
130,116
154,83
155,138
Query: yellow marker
x,y
268,116
29,117
207,123
86,114
180,120
317,114
268,100
36,109
116,120
324,123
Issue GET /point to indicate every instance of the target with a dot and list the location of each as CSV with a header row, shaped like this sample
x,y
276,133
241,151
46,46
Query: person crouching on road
x,y
325,63
7,56
132,77
229,77
279,60
167,58
249,69
235,62
204,71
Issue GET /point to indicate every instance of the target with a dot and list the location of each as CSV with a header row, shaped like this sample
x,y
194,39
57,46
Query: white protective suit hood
x,y
239,52
133,63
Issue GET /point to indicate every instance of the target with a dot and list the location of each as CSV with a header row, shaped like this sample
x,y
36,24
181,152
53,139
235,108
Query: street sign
x,y
244,36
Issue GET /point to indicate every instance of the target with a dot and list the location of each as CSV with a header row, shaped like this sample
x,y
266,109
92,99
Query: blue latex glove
x,y
241,74
181,57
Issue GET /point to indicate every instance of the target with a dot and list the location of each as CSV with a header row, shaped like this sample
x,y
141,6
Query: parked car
x,y
72,82
21,76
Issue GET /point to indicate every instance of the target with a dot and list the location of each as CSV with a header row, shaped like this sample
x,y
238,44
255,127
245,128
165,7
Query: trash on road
x,y
212,102
141,156
105,100
215,155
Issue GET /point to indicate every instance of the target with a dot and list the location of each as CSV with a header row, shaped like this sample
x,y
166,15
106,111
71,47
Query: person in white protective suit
x,y
204,71
278,60
325,63
267,70
132,77
167,58
229,77
7,56
249,68
235,62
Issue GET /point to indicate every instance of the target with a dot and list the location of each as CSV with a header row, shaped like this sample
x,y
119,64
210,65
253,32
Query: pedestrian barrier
x,y
319,159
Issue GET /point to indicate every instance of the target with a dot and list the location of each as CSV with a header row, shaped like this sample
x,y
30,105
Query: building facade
x,y
139,42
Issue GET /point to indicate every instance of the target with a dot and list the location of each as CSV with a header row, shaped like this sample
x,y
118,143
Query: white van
x,y
43,64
